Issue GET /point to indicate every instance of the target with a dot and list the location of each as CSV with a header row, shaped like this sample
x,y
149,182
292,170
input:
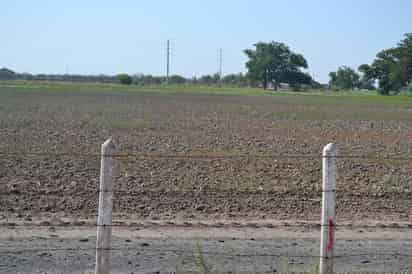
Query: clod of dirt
x,y
28,218
200,208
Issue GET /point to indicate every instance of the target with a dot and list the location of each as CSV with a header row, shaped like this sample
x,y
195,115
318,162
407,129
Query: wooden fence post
x,y
327,240
108,170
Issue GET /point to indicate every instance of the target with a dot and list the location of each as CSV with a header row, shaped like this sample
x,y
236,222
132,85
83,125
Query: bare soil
x,y
279,188
231,205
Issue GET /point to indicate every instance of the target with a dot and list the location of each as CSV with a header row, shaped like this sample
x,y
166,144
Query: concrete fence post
x,y
327,240
108,171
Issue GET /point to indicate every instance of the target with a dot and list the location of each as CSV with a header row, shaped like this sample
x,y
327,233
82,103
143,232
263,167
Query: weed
x,y
200,260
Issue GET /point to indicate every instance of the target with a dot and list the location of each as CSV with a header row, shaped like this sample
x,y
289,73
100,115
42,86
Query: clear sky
x,y
98,36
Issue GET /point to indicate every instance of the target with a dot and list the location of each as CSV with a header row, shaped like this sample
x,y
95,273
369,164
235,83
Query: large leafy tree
x,y
387,70
366,81
392,67
274,63
7,74
405,57
344,78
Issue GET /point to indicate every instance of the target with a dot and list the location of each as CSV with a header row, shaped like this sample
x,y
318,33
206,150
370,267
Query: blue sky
x,y
97,36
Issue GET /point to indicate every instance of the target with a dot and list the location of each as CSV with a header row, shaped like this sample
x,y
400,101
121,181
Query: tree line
x,y
235,80
8,74
274,65
390,72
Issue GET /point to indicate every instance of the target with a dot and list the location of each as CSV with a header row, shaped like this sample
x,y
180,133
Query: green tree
x,y
206,79
231,79
125,79
344,78
392,67
7,74
177,79
274,63
386,69
297,79
366,81
216,78
405,57
238,80
210,79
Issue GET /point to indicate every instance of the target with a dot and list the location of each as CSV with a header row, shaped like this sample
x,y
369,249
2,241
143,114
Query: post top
x,y
330,149
108,144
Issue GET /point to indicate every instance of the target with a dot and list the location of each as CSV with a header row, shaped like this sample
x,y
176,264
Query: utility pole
x,y
66,75
220,71
220,63
168,62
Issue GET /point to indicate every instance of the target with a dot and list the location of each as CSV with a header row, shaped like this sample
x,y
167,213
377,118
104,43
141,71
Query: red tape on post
x,y
330,243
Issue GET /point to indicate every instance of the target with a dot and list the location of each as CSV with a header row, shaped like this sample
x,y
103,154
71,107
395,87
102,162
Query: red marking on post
x,y
330,243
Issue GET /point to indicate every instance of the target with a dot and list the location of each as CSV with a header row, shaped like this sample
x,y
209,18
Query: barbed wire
x,y
131,177
203,156
62,224
219,193
194,252
137,178
58,174
200,157
168,177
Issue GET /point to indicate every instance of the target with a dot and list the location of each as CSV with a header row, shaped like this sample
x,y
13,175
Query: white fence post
x,y
104,223
327,240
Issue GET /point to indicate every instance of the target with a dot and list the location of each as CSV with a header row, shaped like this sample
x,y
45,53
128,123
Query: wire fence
x,y
84,224
10,250
208,156
192,252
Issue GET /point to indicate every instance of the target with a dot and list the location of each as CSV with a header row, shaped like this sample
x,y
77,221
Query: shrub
x,y
125,79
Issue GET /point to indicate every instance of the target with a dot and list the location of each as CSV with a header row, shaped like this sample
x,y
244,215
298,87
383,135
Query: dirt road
x,y
224,250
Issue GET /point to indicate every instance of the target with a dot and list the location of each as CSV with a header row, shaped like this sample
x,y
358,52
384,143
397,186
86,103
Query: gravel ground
x,y
245,251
